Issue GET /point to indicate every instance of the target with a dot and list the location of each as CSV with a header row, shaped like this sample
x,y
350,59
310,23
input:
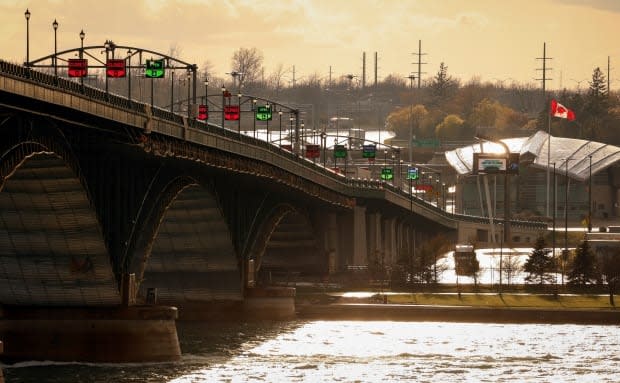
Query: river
x,y
349,351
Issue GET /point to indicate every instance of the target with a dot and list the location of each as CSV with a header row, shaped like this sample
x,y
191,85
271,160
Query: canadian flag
x,y
559,110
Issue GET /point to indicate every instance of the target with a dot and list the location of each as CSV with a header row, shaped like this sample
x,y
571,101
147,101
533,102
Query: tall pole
x,y
544,84
565,220
27,15
501,254
553,243
590,197
55,26
410,144
172,91
189,112
107,49
254,118
82,35
129,53
223,103
239,120
280,126
207,97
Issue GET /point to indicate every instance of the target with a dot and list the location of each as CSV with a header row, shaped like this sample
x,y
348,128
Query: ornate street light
x,y
223,103
189,79
27,15
82,35
280,116
239,120
254,118
55,26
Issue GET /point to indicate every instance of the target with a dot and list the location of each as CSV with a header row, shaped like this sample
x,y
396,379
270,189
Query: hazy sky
x,y
490,39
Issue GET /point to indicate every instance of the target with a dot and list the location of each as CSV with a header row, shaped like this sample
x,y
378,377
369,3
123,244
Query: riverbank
x,y
481,308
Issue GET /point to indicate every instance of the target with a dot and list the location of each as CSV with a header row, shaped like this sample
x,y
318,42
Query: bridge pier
x,y
90,334
360,254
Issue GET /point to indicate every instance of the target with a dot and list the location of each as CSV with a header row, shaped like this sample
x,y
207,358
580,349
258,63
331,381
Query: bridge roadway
x,y
103,200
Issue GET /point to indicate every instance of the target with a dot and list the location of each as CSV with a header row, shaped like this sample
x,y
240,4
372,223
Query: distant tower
x,y
376,67
363,70
419,54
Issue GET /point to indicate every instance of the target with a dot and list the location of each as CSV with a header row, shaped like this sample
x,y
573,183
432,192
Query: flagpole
x,y
548,152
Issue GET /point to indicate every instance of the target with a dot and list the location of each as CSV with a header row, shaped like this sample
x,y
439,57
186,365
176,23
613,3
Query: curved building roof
x,y
569,155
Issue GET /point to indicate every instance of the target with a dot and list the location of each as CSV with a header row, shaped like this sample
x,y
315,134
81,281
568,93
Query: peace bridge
x,y
108,202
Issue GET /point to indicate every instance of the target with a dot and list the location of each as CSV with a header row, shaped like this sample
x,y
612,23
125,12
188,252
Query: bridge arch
x,y
185,249
52,251
286,244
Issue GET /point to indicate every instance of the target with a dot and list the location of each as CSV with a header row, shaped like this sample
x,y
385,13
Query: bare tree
x,y
276,77
249,63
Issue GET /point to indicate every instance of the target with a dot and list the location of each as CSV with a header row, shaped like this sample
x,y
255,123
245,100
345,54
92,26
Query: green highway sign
x,y
263,113
154,68
340,151
387,174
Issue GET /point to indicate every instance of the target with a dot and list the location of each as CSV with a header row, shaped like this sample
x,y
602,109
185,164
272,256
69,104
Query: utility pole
x,y
544,80
376,67
363,70
608,72
419,54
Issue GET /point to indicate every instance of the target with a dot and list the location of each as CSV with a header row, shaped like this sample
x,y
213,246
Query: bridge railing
x,y
347,185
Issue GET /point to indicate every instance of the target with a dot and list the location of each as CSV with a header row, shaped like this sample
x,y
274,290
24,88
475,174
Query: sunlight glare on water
x,y
330,351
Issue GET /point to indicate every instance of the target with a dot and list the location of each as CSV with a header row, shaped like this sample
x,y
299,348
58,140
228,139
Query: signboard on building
x,y
490,163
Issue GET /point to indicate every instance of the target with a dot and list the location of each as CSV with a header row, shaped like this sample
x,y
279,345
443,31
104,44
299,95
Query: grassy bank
x,y
505,300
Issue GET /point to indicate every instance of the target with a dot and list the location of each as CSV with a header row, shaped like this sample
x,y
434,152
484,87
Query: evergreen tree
x,y
583,269
596,106
442,85
539,263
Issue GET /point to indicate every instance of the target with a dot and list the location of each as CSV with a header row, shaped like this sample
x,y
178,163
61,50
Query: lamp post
x,y
239,119
172,91
392,165
400,175
280,117
189,112
324,144
27,16
565,252
223,103
443,195
55,26
501,253
206,82
129,54
82,35
254,118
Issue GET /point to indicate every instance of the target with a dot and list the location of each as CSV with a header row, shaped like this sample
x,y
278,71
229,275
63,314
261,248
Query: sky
x,y
493,40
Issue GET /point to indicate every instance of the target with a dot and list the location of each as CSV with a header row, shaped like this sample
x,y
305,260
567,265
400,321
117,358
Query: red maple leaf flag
x,y
559,110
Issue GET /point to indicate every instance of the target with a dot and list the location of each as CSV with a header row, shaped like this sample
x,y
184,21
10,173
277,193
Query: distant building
x,y
570,162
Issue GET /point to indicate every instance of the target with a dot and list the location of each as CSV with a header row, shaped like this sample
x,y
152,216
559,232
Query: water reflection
x,y
349,351
396,351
